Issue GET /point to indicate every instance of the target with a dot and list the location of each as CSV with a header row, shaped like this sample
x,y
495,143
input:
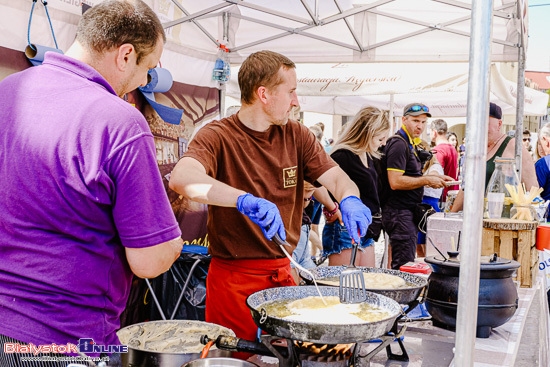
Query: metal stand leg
x,y
403,357
384,262
291,360
180,298
155,298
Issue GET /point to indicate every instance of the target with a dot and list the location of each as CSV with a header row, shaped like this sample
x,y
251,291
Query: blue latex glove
x,y
264,213
355,215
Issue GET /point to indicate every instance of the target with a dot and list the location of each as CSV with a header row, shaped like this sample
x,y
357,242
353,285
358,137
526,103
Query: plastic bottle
x,y
222,68
217,73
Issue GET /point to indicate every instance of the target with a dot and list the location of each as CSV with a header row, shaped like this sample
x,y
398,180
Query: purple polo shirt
x,y
78,183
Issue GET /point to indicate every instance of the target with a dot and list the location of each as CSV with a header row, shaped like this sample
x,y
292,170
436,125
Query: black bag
x,y
423,155
168,288
137,308
383,184
421,213
375,227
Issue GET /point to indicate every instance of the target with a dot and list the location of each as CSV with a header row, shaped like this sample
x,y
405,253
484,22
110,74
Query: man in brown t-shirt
x,y
257,161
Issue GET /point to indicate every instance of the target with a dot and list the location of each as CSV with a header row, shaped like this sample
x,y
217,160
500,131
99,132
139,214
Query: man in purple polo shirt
x,y
82,202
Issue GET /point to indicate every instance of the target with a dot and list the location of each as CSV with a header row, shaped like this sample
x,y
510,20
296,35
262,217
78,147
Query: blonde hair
x,y
359,133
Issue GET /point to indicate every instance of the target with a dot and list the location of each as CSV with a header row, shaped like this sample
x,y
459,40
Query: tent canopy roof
x,y
304,30
339,30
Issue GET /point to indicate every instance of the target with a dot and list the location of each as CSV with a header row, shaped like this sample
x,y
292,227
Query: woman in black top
x,y
354,152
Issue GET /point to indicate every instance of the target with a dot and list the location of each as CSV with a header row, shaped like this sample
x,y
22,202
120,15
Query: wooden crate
x,y
514,240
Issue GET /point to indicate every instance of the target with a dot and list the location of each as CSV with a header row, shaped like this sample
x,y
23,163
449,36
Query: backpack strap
x,y
396,135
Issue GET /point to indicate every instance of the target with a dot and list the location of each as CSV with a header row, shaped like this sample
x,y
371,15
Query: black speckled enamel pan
x,y
319,332
403,296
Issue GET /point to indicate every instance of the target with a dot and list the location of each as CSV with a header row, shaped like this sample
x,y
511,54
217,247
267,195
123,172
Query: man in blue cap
x,y
403,164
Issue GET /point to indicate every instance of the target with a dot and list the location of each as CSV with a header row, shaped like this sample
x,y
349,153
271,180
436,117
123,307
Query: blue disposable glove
x,y
264,213
355,215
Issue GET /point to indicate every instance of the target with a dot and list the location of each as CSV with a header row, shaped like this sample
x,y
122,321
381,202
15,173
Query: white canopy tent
x,y
334,31
304,30
342,89
339,30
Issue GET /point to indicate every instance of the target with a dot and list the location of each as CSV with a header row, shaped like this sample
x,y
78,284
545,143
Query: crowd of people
x,y
86,208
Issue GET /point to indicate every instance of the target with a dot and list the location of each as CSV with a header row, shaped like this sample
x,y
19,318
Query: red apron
x,y
228,284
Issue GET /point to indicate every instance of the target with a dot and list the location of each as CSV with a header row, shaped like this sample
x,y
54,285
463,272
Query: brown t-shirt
x,y
273,165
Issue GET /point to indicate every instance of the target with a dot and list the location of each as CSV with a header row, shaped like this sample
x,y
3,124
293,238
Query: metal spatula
x,y
279,241
352,283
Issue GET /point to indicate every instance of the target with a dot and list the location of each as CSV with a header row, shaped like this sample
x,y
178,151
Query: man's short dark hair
x,y
112,23
261,69
526,132
440,126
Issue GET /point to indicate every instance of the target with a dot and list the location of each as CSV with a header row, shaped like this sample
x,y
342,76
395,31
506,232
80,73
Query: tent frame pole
x,y
520,108
192,17
223,86
475,167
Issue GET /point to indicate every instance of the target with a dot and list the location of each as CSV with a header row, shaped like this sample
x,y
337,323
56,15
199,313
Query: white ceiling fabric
x,y
340,30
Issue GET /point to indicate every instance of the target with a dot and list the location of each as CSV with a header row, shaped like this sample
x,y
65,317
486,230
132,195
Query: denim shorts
x,y
336,239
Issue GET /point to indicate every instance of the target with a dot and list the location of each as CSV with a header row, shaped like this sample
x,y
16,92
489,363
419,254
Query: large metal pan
x,y
319,332
140,356
402,296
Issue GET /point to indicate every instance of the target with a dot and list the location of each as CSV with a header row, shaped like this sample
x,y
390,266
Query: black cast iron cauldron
x,y
498,296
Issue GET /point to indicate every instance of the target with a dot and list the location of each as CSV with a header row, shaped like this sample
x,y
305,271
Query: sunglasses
x,y
526,139
417,108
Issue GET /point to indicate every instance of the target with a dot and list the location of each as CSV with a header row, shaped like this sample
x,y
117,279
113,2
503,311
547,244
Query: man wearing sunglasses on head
x,y
403,163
